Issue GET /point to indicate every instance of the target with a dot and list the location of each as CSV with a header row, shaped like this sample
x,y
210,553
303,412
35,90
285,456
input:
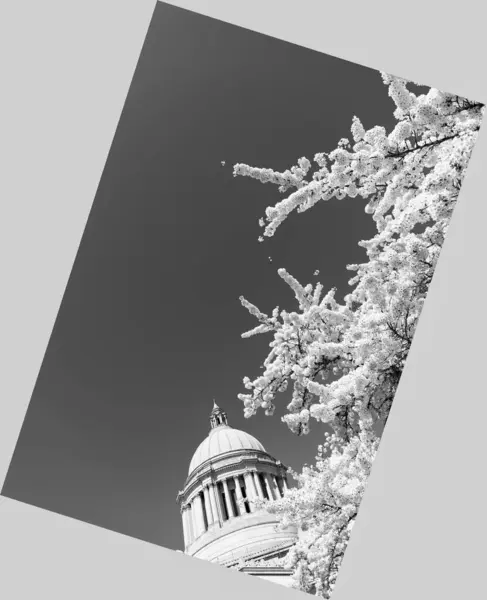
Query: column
x,y
238,491
228,503
251,490
189,518
184,516
189,524
280,485
204,507
198,515
194,520
215,508
276,486
268,485
209,508
221,503
258,484
284,482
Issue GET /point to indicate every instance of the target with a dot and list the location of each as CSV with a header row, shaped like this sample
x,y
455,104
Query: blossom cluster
x,y
343,360
340,357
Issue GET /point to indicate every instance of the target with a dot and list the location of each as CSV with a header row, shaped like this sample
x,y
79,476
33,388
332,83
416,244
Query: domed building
x,y
229,469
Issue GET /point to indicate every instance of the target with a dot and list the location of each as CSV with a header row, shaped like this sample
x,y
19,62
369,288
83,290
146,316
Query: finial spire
x,y
218,416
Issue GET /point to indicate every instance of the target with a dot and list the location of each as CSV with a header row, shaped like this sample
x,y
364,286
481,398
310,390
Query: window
x,y
263,484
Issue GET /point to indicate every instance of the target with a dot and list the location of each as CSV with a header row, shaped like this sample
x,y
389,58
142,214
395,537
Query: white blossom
x,y
342,361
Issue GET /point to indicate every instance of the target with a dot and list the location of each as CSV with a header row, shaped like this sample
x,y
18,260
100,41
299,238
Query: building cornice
x,y
258,555
225,455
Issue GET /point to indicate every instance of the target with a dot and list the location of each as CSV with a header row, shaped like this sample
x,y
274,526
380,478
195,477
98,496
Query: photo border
x,y
68,67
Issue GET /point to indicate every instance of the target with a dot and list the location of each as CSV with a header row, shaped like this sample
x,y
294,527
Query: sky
x,y
149,328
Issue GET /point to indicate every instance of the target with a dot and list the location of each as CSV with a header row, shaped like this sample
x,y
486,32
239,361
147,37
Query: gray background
x,y
422,516
149,327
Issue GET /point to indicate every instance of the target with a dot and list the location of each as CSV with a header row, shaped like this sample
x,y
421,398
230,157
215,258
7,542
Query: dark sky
x,y
148,332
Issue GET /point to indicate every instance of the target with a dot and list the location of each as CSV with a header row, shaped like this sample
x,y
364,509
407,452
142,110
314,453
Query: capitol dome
x,y
223,522
220,440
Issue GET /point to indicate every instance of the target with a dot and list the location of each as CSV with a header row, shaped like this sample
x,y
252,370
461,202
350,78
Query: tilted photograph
x,y
243,300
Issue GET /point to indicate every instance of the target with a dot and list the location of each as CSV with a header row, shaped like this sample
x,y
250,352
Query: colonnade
x,y
227,498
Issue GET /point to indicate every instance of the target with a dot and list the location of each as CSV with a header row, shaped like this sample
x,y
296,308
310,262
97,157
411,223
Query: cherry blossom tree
x,y
343,361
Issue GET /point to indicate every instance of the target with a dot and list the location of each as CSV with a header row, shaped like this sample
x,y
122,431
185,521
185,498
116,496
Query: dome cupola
x,y
218,416
222,440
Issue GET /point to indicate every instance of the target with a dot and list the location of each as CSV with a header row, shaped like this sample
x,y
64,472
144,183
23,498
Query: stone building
x,y
229,469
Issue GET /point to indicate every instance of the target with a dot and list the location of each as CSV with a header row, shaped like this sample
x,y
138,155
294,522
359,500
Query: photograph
x,y
226,353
